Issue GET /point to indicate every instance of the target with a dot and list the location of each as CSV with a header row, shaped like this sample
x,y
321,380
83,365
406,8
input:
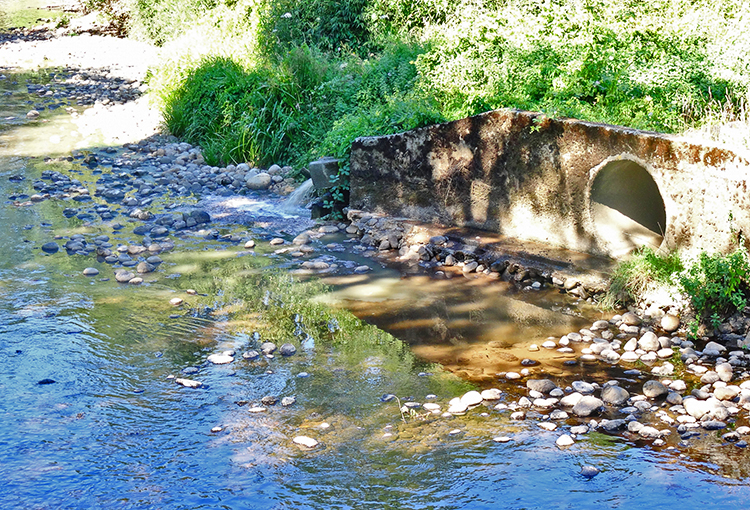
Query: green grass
x,y
644,269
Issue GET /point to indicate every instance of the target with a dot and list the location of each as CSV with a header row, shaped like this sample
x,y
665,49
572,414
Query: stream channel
x,y
91,416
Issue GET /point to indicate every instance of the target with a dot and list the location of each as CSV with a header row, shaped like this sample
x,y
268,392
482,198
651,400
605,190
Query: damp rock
x,y
221,358
90,271
587,406
188,383
124,276
615,395
491,394
288,401
471,399
564,441
51,247
541,385
654,389
589,471
267,347
251,355
287,349
269,400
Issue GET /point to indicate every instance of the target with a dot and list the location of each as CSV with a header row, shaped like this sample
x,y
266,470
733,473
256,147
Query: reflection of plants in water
x,y
282,309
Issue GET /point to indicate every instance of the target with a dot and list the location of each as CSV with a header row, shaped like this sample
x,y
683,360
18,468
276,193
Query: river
x,y
92,418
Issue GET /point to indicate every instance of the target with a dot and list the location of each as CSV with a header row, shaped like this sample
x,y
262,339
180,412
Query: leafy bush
x,y
717,285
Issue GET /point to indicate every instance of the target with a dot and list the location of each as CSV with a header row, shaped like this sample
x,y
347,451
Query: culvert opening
x,y
627,207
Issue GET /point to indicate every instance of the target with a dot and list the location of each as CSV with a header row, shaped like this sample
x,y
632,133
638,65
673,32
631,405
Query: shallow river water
x,y
90,417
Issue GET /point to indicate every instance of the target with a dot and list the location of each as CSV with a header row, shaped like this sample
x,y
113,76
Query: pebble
x,y
51,247
564,440
305,442
589,471
124,276
188,383
90,271
540,385
287,349
221,359
587,406
491,394
176,301
501,439
654,389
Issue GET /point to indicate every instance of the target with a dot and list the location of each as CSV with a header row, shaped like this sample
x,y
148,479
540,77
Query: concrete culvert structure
x,y
626,207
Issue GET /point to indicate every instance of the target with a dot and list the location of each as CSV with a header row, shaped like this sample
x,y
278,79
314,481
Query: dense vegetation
x,y
286,81
715,285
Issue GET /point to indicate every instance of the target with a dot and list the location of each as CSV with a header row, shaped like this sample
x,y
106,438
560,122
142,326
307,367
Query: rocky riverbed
x,y
153,193
670,390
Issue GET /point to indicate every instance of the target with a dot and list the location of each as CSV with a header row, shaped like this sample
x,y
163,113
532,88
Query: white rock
x,y
187,383
571,400
665,353
305,441
471,399
564,440
176,301
491,394
629,357
220,359
725,371
649,342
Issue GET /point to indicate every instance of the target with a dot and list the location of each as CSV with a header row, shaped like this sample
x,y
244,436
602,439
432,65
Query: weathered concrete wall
x,y
589,187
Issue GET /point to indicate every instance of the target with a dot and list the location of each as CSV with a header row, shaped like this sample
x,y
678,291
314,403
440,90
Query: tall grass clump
x,y
644,270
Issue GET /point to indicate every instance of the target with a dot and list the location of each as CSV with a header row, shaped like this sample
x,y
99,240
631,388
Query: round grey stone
x,y
587,406
589,471
541,385
615,395
267,347
287,349
654,389
260,181
51,247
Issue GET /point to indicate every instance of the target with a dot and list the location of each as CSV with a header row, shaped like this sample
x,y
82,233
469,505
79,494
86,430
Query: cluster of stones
x,y
267,350
153,168
415,245
304,246
85,87
663,405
